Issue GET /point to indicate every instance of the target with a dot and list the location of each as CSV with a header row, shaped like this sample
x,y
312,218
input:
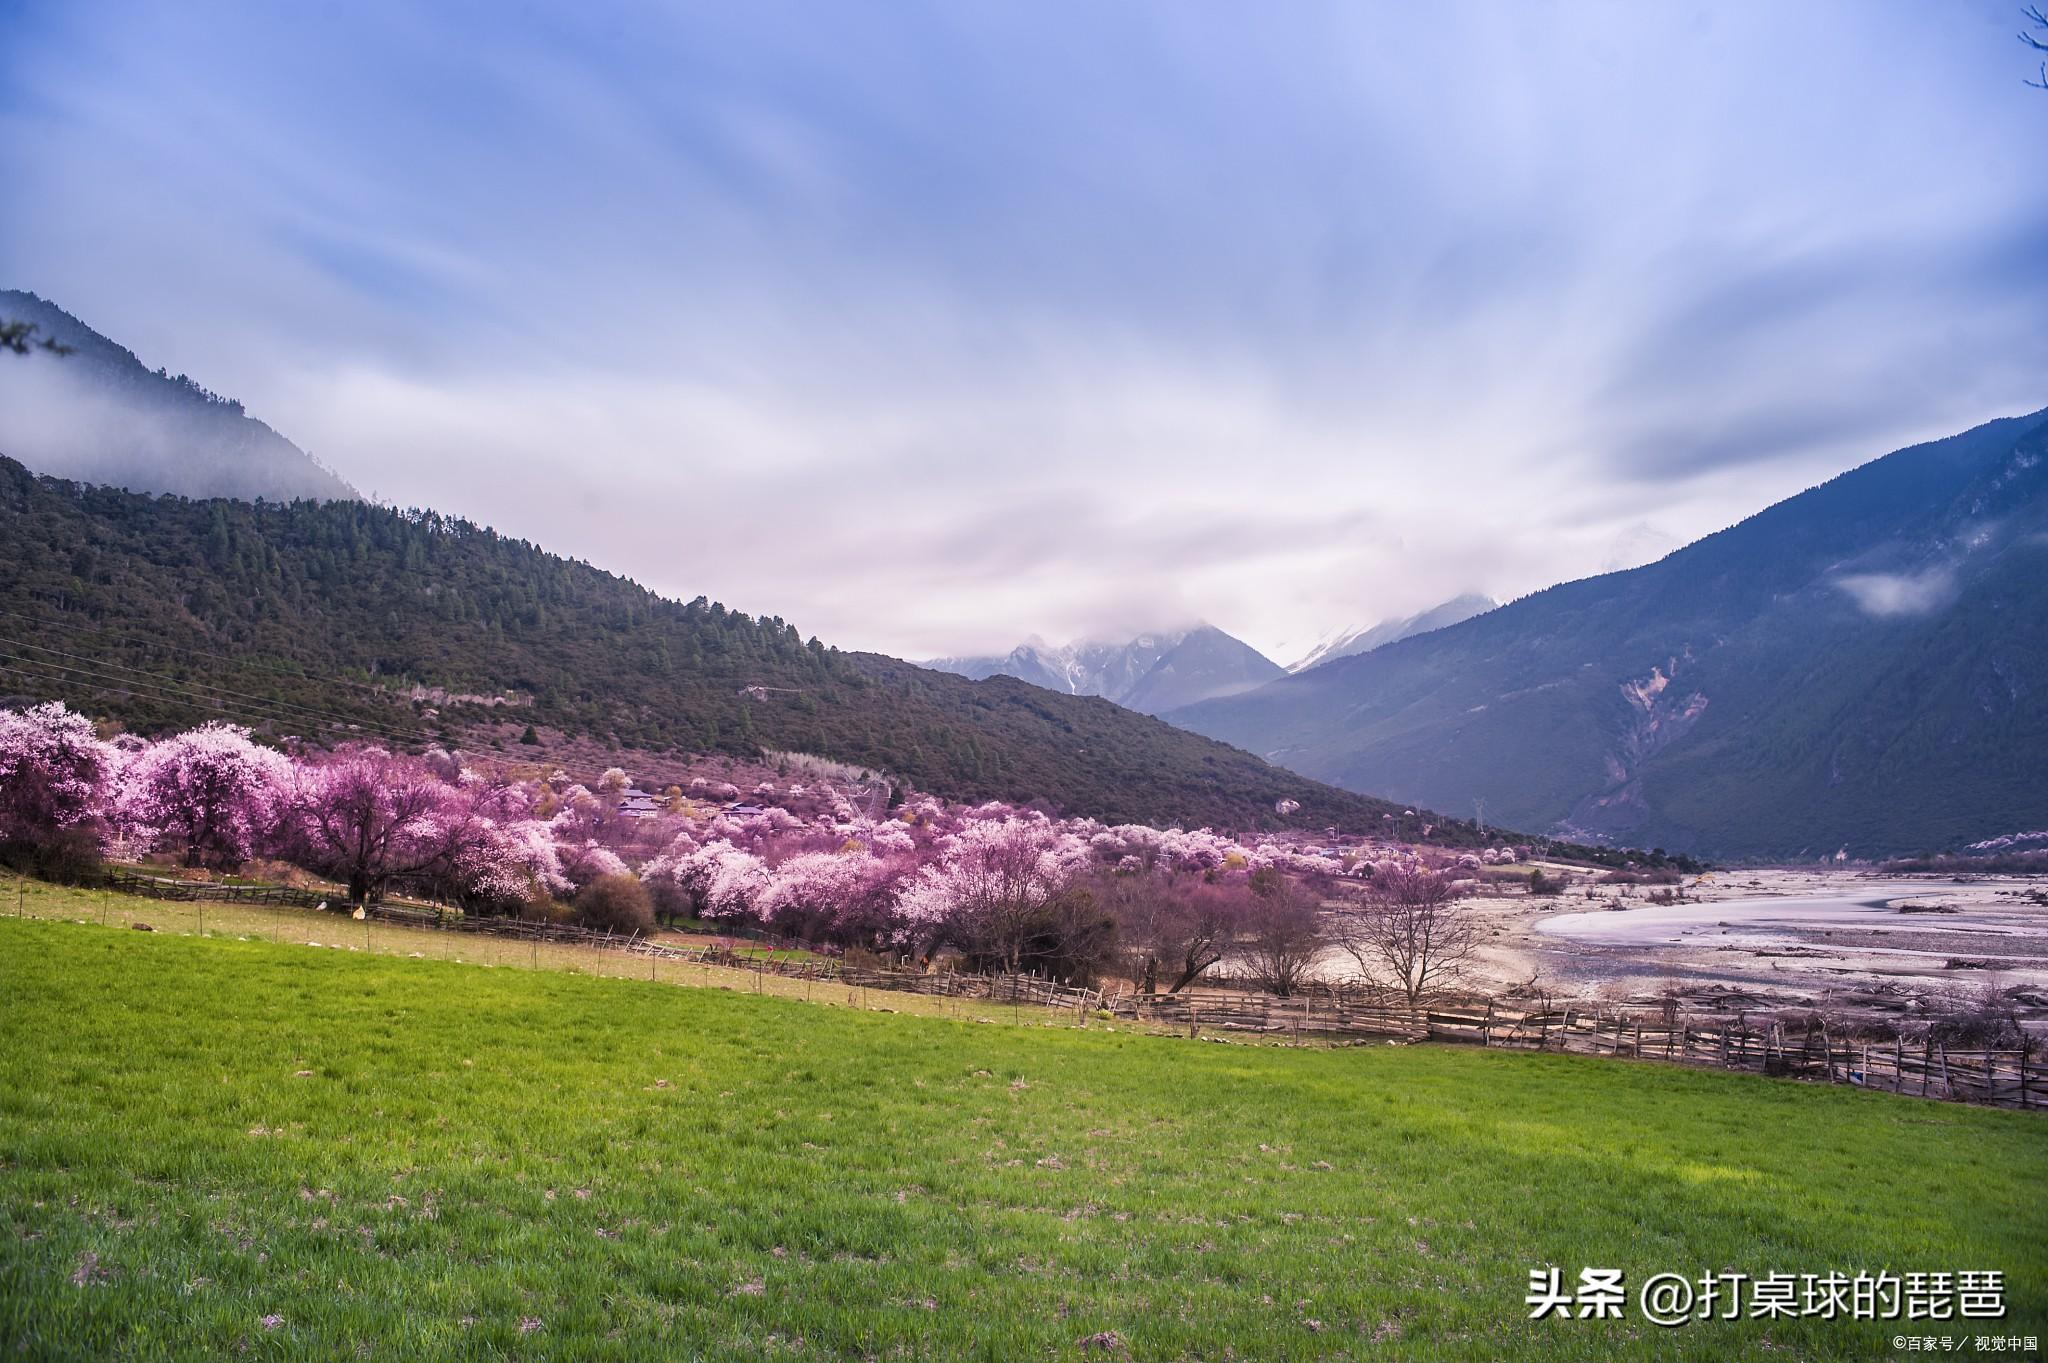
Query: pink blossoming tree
x,y
847,897
54,774
212,789
370,815
994,885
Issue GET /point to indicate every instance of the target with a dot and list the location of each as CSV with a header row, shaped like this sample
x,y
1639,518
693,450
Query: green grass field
x,y
252,1149
335,930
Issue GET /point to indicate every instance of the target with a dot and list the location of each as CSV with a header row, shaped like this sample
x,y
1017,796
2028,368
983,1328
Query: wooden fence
x,y
1930,1069
1926,1068
1018,989
1023,990
202,891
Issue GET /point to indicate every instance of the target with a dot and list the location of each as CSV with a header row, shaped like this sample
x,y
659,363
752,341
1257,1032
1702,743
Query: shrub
x,y
617,902
1986,1017
541,909
1653,876
68,856
1282,933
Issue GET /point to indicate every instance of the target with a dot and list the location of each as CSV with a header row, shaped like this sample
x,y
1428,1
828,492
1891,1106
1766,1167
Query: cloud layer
x,y
928,327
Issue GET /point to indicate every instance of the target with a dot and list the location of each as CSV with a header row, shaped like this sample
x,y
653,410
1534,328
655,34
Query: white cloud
x,y
1885,595
932,329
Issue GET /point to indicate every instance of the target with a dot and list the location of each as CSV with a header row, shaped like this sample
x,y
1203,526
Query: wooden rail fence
x,y
1926,1068
200,891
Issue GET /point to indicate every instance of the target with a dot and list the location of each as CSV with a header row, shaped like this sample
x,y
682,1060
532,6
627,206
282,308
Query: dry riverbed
x,y
1756,939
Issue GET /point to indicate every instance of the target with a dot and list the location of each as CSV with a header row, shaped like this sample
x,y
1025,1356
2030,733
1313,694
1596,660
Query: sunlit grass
x,y
336,930
211,1145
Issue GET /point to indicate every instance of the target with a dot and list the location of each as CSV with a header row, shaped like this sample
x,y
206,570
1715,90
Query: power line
x,y
275,708
119,687
111,689
274,703
153,641
181,695
122,686
80,628
175,691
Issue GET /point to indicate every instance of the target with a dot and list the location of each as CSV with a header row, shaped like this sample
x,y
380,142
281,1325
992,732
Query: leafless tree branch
x,y
1409,932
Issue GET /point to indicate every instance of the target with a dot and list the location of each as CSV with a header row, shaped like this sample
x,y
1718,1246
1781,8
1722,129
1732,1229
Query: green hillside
x,y
302,618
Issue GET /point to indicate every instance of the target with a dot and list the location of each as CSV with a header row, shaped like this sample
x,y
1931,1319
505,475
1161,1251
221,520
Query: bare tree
x,y
1283,932
1170,928
2037,17
1409,932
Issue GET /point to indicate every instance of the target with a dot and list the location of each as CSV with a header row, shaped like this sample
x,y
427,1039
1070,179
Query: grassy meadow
x,y
335,930
246,1148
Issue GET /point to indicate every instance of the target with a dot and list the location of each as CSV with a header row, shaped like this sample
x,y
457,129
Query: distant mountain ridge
x,y
98,415
1862,667
1151,673
1349,643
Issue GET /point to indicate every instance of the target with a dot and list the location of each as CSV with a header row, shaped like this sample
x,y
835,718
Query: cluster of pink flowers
x,y
211,790
831,861
55,773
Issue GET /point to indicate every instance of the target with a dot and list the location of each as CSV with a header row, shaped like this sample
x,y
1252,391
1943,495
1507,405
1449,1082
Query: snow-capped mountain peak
x,y
1346,643
1153,672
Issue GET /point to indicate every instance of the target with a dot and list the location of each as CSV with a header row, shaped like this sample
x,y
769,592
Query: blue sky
x,y
930,326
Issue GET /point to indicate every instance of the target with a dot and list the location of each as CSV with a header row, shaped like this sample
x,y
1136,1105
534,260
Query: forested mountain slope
x,y
159,611
1863,666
